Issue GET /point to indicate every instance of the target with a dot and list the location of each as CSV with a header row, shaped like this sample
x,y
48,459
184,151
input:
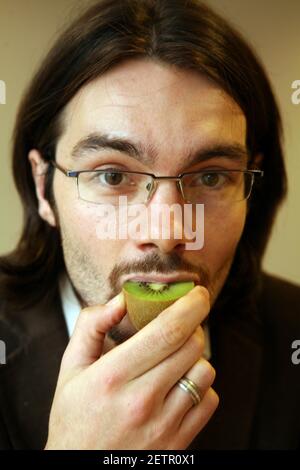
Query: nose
x,y
165,215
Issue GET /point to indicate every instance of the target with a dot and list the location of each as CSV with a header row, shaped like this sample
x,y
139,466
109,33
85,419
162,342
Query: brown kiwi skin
x,y
142,311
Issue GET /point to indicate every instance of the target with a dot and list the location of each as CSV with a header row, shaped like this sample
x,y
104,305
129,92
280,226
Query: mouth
x,y
166,279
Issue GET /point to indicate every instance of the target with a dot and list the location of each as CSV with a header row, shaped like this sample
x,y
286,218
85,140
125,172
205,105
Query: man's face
x,y
172,114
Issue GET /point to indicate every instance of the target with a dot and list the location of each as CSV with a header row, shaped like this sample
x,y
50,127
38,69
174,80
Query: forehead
x,y
165,106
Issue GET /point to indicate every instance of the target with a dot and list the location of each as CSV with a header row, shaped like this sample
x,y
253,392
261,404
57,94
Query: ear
x,y
257,161
39,168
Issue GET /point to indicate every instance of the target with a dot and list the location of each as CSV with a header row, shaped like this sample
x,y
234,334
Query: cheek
x,y
222,234
82,228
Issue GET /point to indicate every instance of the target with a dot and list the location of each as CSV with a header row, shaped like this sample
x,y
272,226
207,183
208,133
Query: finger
x,y
86,343
164,376
197,417
179,401
161,337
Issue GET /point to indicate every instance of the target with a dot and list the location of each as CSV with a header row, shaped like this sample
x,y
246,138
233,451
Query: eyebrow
x,y
148,155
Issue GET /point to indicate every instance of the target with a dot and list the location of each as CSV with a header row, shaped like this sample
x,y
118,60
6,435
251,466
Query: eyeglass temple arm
x,y
70,173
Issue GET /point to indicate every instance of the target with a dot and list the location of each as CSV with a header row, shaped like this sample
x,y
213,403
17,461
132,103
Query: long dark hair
x,y
185,33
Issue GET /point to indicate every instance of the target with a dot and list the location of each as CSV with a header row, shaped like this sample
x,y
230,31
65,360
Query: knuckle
x,y
87,322
173,332
205,300
205,294
197,342
208,372
140,408
214,398
160,429
110,381
211,373
85,312
84,317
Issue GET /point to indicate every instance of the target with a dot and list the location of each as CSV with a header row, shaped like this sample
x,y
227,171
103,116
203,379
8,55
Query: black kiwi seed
x,y
145,285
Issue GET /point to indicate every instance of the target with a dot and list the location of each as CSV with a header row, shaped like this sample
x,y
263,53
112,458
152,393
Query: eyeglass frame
x,y
178,179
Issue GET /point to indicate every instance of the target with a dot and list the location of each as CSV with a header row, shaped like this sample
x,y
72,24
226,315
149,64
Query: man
x,y
132,92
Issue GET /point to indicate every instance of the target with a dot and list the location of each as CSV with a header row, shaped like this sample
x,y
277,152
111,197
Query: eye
x,y
111,178
211,179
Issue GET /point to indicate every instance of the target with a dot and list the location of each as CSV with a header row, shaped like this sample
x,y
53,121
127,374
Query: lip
x,y
178,277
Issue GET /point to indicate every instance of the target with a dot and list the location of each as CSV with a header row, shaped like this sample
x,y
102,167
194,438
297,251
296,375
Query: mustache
x,y
155,262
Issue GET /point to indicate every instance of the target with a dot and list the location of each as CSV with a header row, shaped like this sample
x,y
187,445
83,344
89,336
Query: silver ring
x,y
188,386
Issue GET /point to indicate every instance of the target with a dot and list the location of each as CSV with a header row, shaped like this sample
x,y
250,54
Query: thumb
x,y
86,343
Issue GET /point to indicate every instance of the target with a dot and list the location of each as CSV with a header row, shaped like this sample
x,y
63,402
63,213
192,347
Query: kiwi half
x,y
145,300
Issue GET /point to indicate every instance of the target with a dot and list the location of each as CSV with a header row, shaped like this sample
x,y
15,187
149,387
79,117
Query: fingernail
x,y
117,300
203,290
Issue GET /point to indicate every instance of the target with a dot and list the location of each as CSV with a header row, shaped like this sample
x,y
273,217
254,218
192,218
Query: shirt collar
x,y
70,303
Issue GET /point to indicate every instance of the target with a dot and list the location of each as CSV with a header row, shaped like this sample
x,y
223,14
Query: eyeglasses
x,y
209,187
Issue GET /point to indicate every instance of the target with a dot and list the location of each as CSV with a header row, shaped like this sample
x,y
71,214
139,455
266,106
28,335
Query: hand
x,y
128,398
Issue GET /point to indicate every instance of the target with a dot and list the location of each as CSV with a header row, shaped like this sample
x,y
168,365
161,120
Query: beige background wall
x,y
27,29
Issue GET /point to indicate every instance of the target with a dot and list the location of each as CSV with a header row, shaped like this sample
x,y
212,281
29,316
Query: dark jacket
x,y
257,382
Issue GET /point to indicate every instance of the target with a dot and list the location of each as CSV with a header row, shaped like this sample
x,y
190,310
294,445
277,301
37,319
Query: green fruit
x,y
146,300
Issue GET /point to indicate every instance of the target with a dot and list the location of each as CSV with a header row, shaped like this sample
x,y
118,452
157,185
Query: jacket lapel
x,y
29,378
237,358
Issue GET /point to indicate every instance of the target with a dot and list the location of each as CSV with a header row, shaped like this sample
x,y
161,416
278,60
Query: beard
x,y
163,264
93,285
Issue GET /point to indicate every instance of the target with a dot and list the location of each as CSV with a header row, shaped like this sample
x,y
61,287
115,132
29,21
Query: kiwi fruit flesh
x,y
146,300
